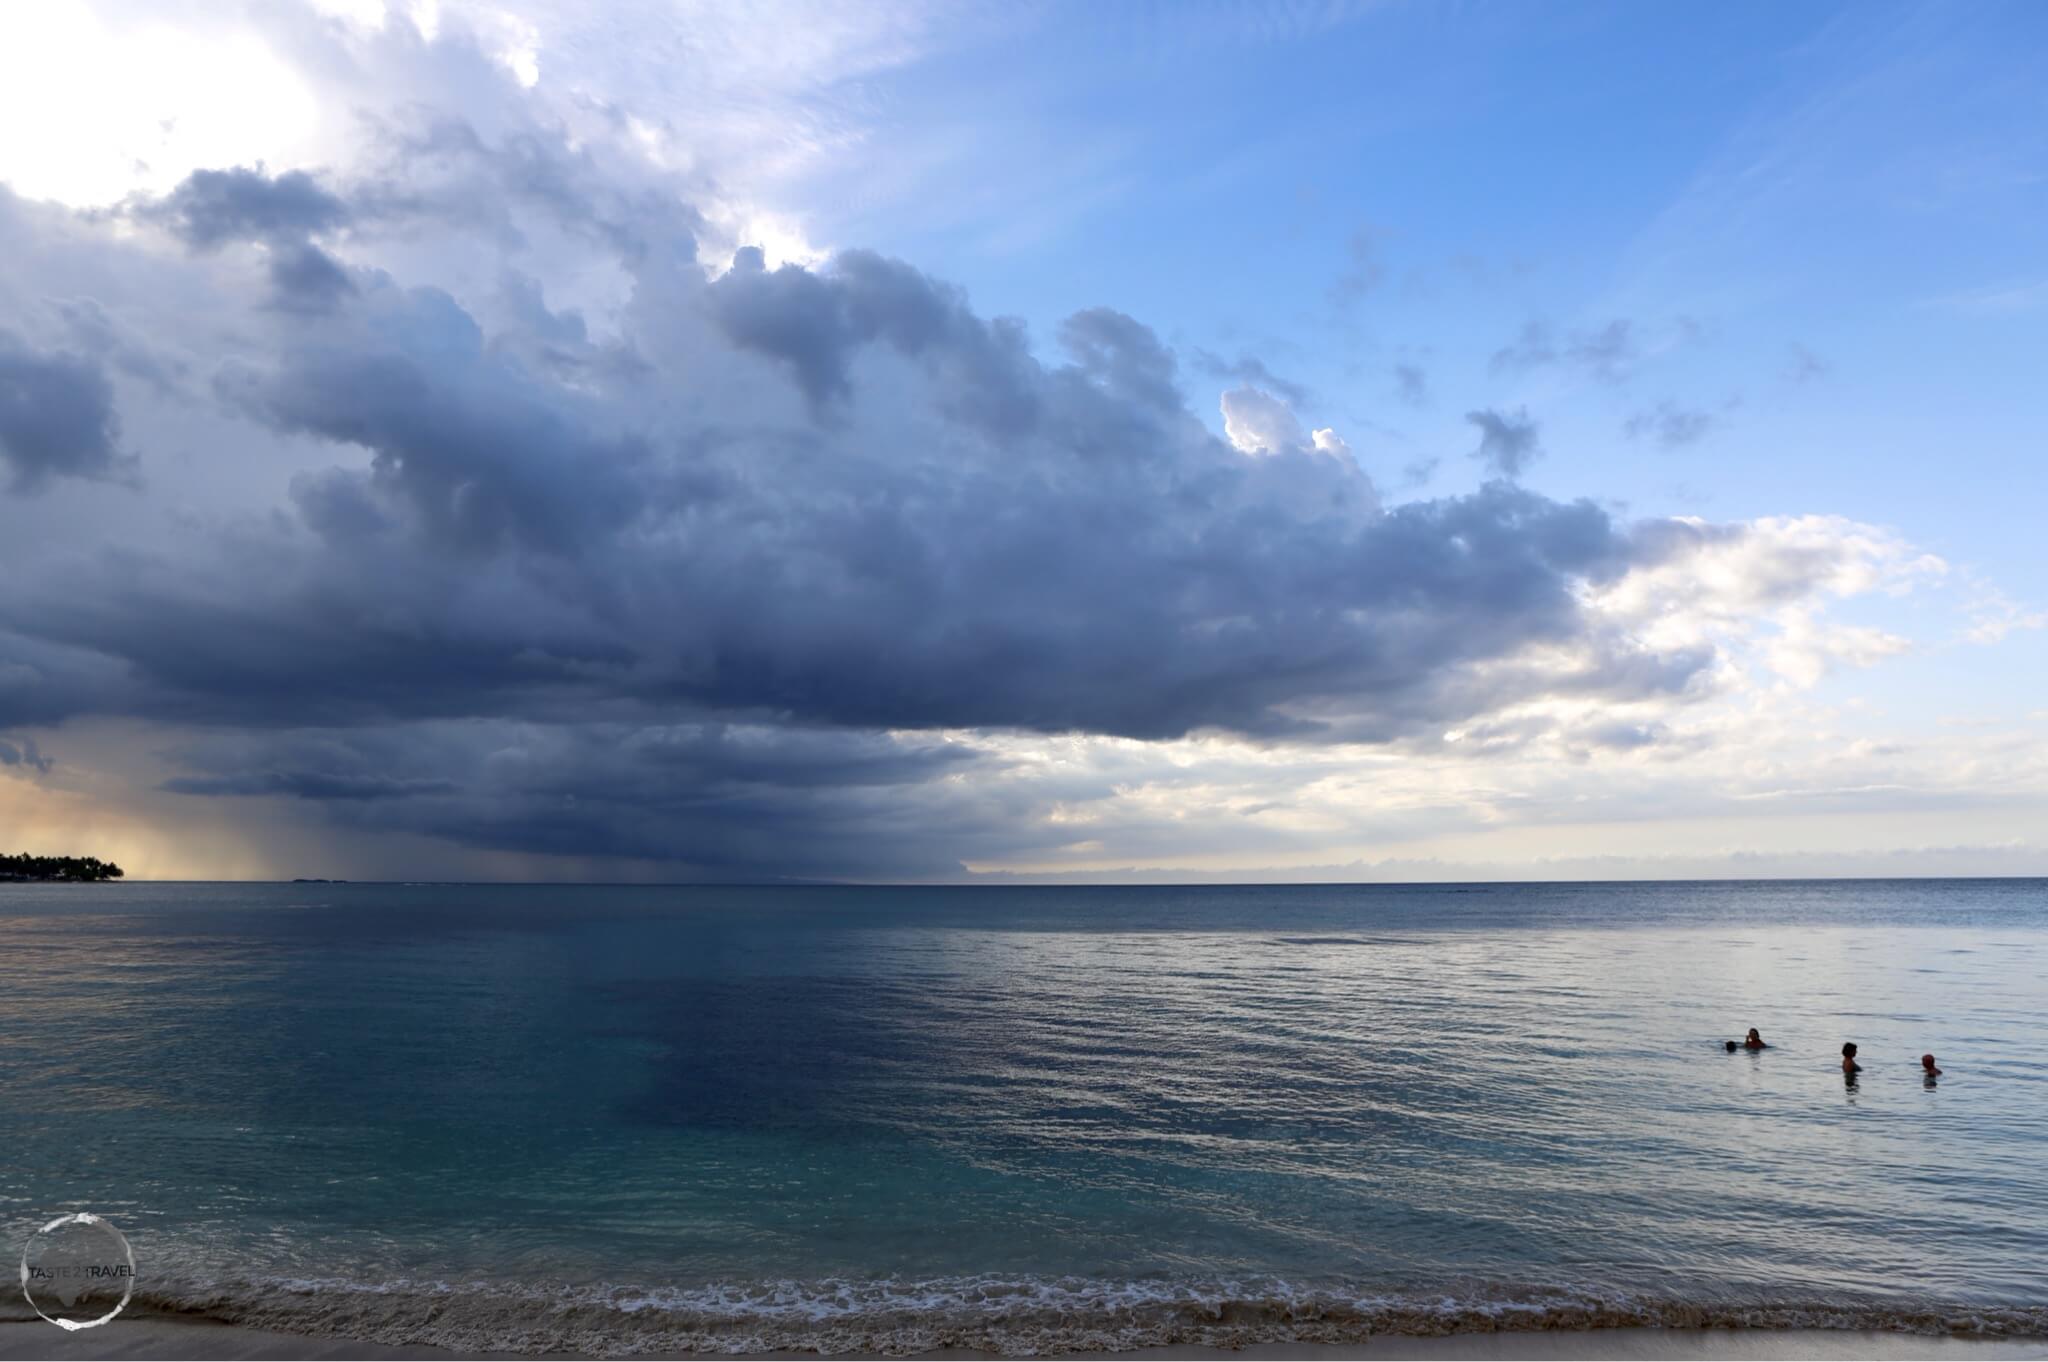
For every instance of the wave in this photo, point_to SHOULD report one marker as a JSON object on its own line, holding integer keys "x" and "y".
{"x": 1012, "y": 1316}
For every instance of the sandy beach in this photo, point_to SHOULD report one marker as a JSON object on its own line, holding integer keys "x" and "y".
{"x": 147, "y": 1337}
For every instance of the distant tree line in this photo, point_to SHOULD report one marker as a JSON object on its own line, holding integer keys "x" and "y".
{"x": 25, "y": 867}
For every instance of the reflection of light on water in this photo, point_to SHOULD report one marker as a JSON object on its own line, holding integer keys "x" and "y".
{"x": 573, "y": 1085}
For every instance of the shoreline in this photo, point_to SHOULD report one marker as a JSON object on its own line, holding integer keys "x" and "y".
{"x": 177, "y": 1338}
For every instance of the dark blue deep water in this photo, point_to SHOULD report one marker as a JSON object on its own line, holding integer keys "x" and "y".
{"x": 630, "y": 1118}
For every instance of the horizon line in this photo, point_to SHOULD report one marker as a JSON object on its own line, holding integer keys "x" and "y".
{"x": 1008, "y": 883}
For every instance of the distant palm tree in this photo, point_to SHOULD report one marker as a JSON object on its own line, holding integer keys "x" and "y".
{"x": 22, "y": 866}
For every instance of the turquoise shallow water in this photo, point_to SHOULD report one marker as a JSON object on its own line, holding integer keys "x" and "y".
{"x": 623, "y": 1118}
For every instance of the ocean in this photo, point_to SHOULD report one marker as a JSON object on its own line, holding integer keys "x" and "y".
{"x": 1033, "y": 1119}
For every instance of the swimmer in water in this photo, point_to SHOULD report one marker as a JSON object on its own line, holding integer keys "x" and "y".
{"x": 1754, "y": 1041}
{"x": 1849, "y": 1064}
{"x": 1927, "y": 1068}
{"x": 1732, "y": 1046}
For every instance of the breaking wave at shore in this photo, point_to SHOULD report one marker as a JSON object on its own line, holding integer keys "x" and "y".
{"x": 1010, "y": 1316}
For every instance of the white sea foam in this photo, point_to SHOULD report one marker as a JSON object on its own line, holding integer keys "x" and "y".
{"x": 1009, "y": 1315}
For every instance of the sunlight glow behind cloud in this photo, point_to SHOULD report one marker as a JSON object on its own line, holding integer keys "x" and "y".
{"x": 99, "y": 109}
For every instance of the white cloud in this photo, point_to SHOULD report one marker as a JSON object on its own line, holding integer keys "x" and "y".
{"x": 1331, "y": 443}
{"x": 1259, "y": 423}
{"x": 1804, "y": 650}
{"x": 1723, "y": 583}
{"x": 1993, "y": 615}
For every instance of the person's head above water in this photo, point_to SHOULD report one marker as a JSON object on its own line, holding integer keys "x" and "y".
{"x": 1731, "y": 1046}
{"x": 1849, "y": 1050}
{"x": 1754, "y": 1039}
{"x": 1927, "y": 1063}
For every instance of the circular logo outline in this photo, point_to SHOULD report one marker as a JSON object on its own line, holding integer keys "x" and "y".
{"x": 127, "y": 1252}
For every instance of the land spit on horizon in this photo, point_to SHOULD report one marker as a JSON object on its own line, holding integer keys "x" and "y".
{"x": 22, "y": 867}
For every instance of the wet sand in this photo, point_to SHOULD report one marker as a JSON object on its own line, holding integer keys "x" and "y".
{"x": 201, "y": 1339}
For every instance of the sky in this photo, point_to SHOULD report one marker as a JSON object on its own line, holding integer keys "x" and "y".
{"x": 1024, "y": 442}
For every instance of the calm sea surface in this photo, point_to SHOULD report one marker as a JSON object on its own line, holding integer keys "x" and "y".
{"x": 624, "y": 1118}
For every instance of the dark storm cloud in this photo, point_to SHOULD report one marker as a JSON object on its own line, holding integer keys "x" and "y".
{"x": 57, "y": 417}
{"x": 793, "y": 315}
{"x": 92, "y": 330}
{"x": 1507, "y": 441}
{"x": 460, "y": 441}
{"x": 1057, "y": 549}
{"x": 213, "y": 207}
{"x": 43, "y": 682}
{"x": 713, "y": 799}
{"x": 698, "y": 588}
{"x": 1124, "y": 356}
{"x": 24, "y": 752}
{"x": 818, "y": 323}
{"x": 305, "y": 277}
{"x": 306, "y": 785}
